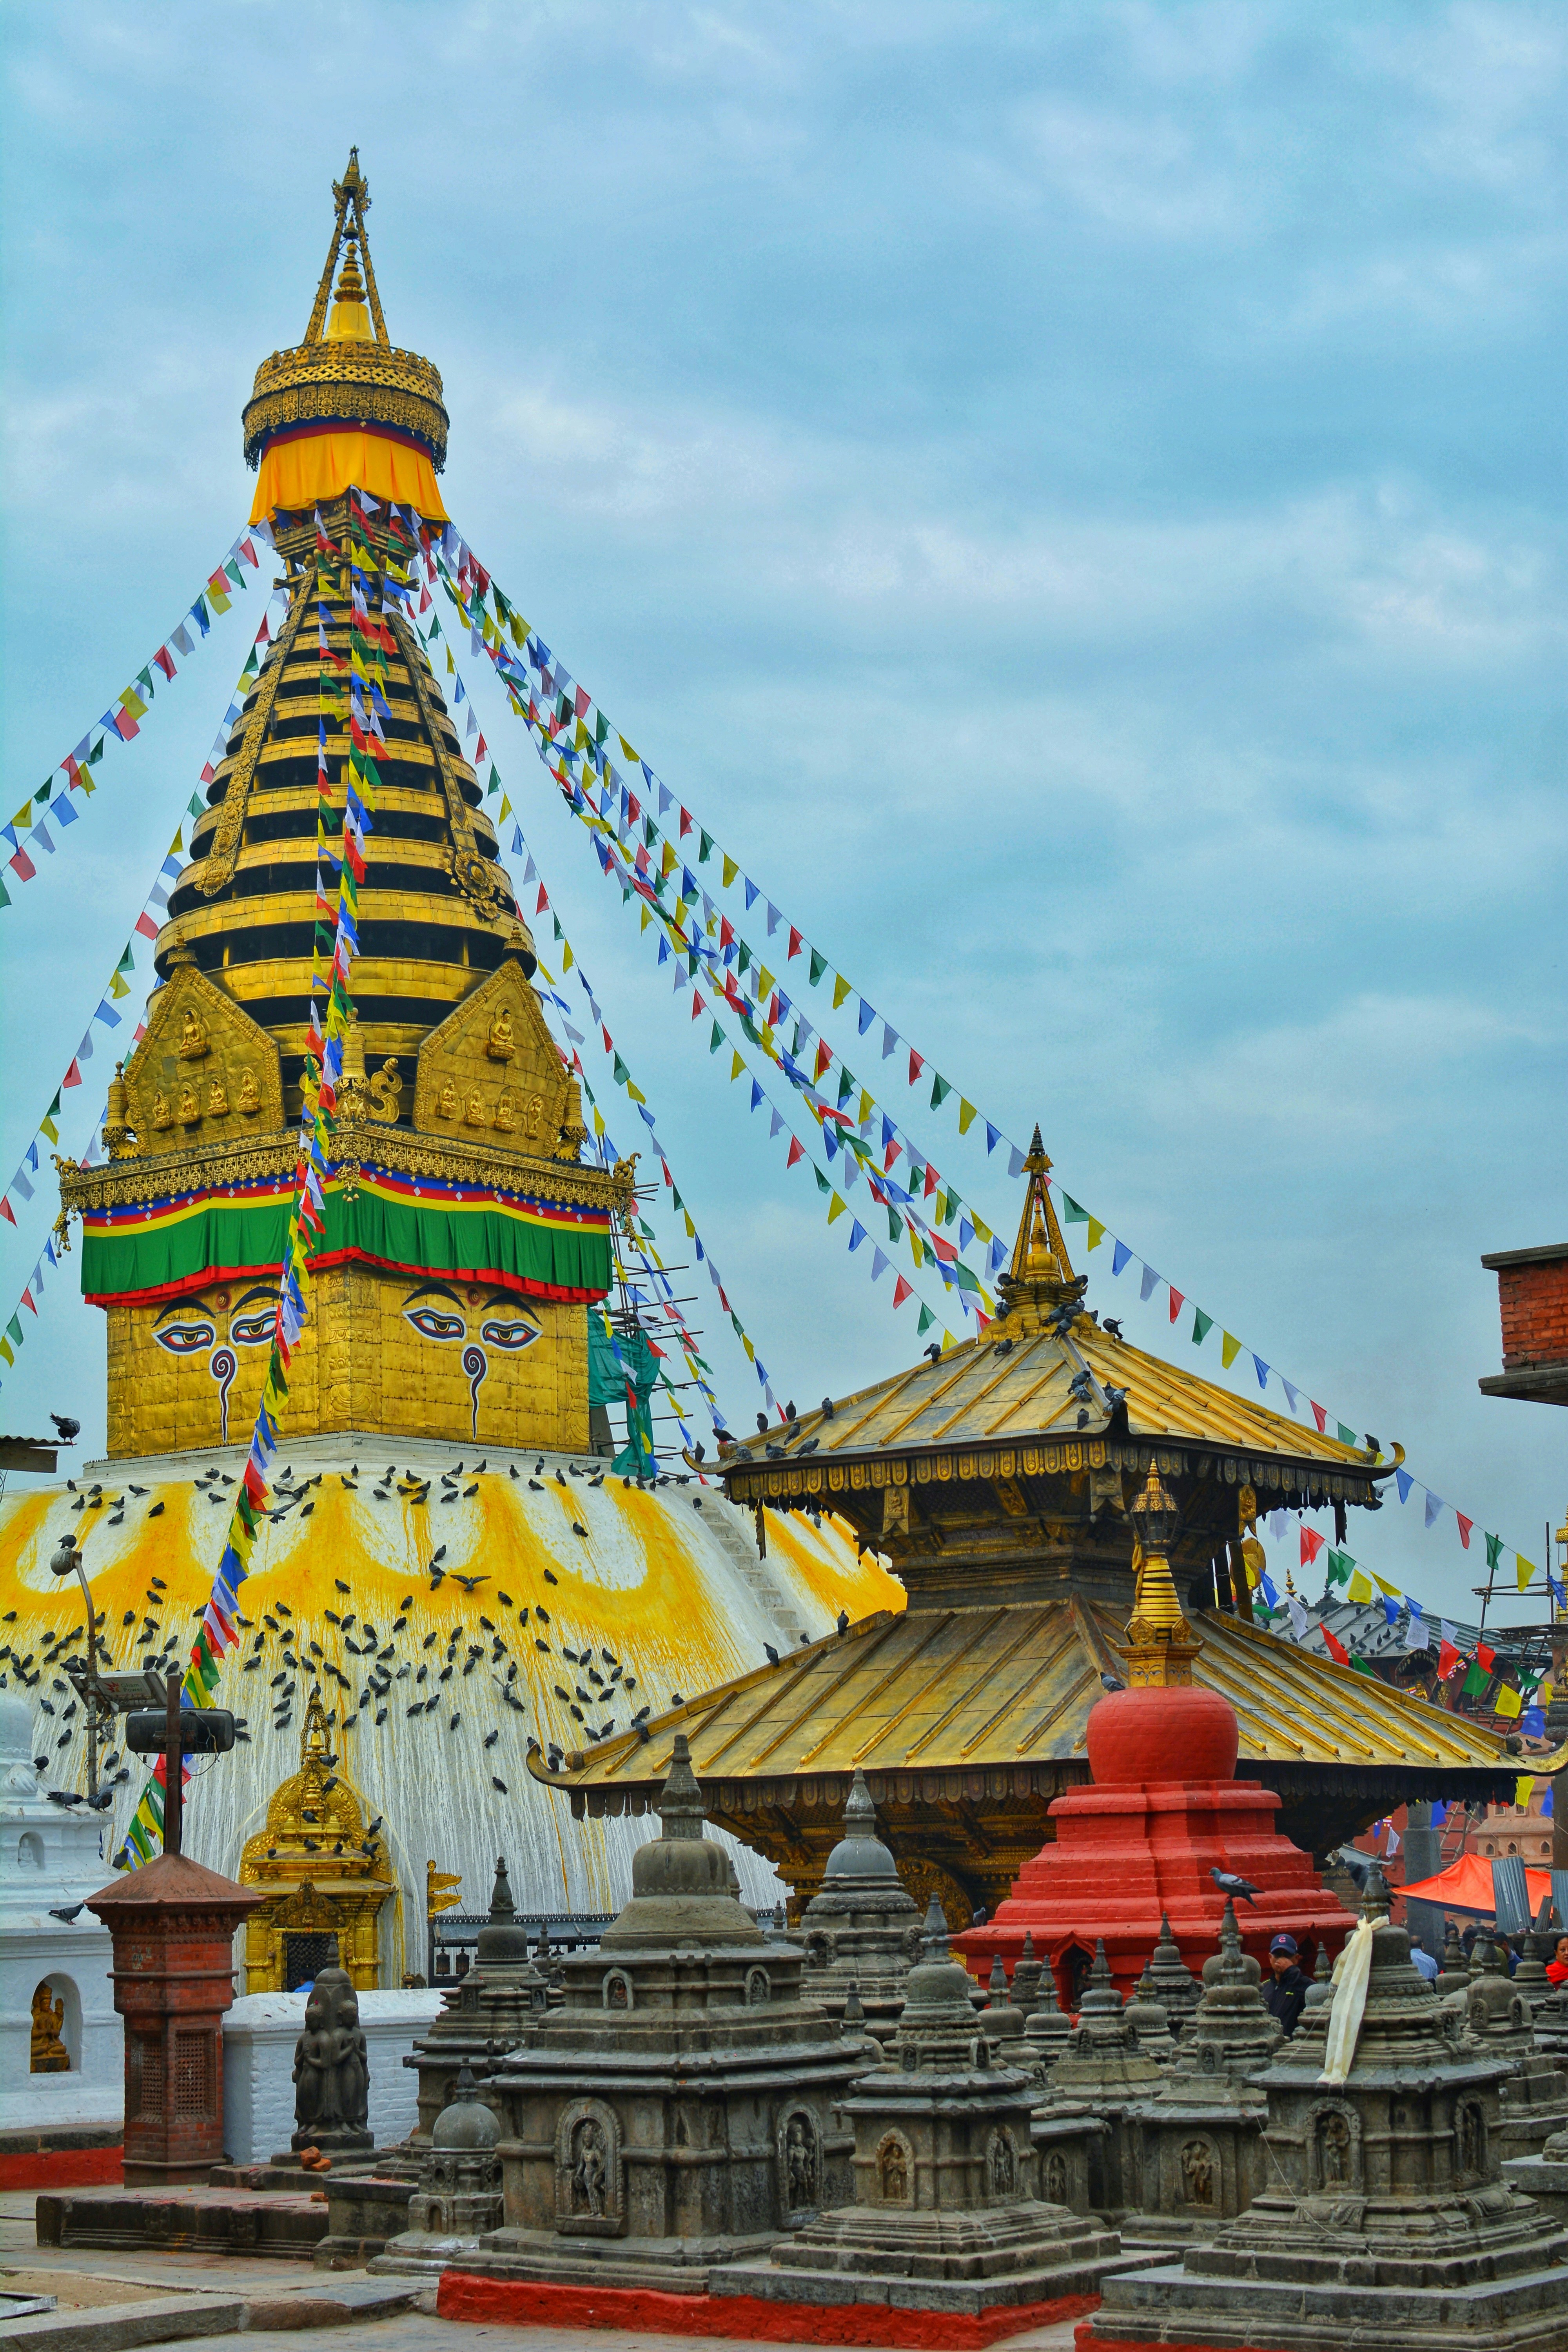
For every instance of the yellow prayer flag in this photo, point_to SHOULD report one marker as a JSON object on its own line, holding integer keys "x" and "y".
{"x": 505, "y": 805}
{"x": 731, "y": 870}
{"x": 866, "y": 1107}
{"x": 690, "y": 1228}
{"x": 598, "y": 1120}
{"x": 948, "y": 1341}
{"x": 764, "y": 982}
{"x": 965, "y": 1113}
{"x": 635, "y": 1092}
{"x": 627, "y": 748}
{"x": 1526, "y": 1568}
{"x": 1096, "y": 1233}
{"x": 1522, "y": 1788}
{"x": 669, "y": 861}
{"x": 736, "y": 1067}
{"x": 647, "y": 919}
{"x": 841, "y": 990}
{"x": 1229, "y": 1349}
{"x": 1392, "y": 1590}
{"x": 751, "y": 1351}
{"x": 24, "y": 814}
{"x": 1360, "y": 1587}
{"x": 982, "y": 1230}
{"x": 835, "y": 1207}
{"x": 567, "y": 959}
{"x": 1507, "y": 1702}
{"x": 118, "y": 987}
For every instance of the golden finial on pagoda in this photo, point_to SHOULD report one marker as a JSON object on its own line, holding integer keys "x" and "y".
{"x": 1161, "y": 1643}
{"x": 1040, "y": 1277}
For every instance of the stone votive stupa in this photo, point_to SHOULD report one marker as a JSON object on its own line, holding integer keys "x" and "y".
{"x": 1498, "y": 2022}
{"x": 678, "y": 2110}
{"x": 946, "y": 2216}
{"x": 484, "y": 2013}
{"x": 1200, "y": 2158}
{"x": 1082, "y": 2128}
{"x": 863, "y": 1927}
{"x": 459, "y": 2195}
{"x": 1381, "y": 2219}
{"x": 1176, "y": 1988}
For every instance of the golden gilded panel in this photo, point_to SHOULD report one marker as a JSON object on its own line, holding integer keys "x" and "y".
{"x": 491, "y": 1067}
{"x": 204, "y": 1073}
{"x": 402, "y": 1353}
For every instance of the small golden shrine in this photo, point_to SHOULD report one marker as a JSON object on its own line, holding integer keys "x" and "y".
{"x": 316, "y": 1856}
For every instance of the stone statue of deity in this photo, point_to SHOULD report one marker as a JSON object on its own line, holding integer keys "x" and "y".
{"x": 332, "y": 2071}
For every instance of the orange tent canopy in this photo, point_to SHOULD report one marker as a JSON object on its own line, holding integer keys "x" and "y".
{"x": 1467, "y": 1885}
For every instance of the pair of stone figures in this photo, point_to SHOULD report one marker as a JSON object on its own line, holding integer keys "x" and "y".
{"x": 331, "y": 2067}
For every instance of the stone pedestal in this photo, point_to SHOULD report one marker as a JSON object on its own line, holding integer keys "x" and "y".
{"x": 862, "y": 1929}
{"x": 172, "y": 1925}
{"x": 485, "y": 2011}
{"x": 1087, "y": 2143}
{"x": 62, "y": 2048}
{"x": 1200, "y": 2158}
{"x": 947, "y": 2215}
{"x": 679, "y": 2109}
{"x": 1132, "y": 1854}
{"x": 1382, "y": 2218}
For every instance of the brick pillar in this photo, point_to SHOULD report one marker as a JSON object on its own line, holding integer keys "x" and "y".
{"x": 173, "y": 1924}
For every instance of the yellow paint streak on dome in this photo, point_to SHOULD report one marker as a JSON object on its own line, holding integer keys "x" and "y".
{"x": 862, "y": 1586}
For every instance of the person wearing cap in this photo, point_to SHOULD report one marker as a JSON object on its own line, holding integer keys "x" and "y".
{"x": 1286, "y": 1996}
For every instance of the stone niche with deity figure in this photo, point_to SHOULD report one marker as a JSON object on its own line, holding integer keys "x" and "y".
{"x": 204, "y": 1073}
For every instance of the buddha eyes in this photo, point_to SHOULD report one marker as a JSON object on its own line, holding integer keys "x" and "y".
{"x": 512, "y": 1331}
{"x": 252, "y": 1330}
{"x": 186, "y": 1339}
{"x": 431, "y": 1323}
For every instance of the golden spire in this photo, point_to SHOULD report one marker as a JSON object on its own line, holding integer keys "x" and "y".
{"x": 1041, "y": 1276}
{"x": 1161, "y": 1644}
{"x": 350, "y": 322}
{"x": 351, "y": 196}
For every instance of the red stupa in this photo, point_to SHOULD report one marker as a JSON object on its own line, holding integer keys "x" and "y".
{"x": 1165, "y": 1808}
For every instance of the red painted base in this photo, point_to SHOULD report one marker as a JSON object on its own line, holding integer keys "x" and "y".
{"x": 61, "y": 2167}
{"x": 1128, "y": 1849}
{"x": 516, "y": 2303}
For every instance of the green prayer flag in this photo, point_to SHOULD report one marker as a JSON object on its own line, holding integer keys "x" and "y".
{"x": 939, "y": 1090}
{"x": 1072, "y": 1213}
{"x": 493, "y": 786}
{"x": 1494, "y": 1552}
{"x": 14, "y": 1330}
{"x": 822, "y": 1183}
{"x": 846, "y": 1083}
{"x": 197, "y": 806}
{"x": 621, "y": 1072}
{"x": 704, "y": 848}
{"x": 1346, "y": 1437}
{"x": 96, "y": 754}
{"x": 1338, "y": 1567}
{"x": 1202, "y": 1325}
{"x": 927, "y": 1319}
{"x": 716, "y": 1040}
{"x": 127, "y": 962}
{"x": 1476, "y": 1680}
{"x": 1360, "y": 1664}
{"x": 818, "y": 965}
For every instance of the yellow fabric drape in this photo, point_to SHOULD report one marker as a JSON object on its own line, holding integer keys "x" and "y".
{"x": 299, "y": 473}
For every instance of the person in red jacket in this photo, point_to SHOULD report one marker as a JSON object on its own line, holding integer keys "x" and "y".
{"x": 1557, "y": 1967}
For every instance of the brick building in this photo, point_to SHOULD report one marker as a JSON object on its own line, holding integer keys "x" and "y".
{"x": 1533, "y": 1293}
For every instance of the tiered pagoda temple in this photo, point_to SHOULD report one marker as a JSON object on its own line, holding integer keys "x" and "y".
{"x": 997, "y": 1480}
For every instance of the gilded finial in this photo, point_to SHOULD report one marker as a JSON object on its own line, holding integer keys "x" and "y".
{"x": 1161, "y": 1644}
{"x": 1040, "y": 1278}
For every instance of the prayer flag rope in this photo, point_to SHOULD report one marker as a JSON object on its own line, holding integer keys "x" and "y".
{"x": 122, "y": 720}
{"x": 572, "y": 730}
{"x": 332, "y": 965}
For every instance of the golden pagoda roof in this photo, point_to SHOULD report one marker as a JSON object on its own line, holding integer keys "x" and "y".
{"x": 1046, "y": 1386}
{"x": 982, "y": 1690}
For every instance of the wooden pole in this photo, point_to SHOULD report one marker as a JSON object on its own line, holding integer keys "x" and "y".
{"x": 173, "y": 1782}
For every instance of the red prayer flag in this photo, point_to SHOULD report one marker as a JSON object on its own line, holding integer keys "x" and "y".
{"x": 900, "y": 1291}
{"x": 697, "y": 1006}
{"x": 685, "y": 823}
{"x": 1336, "y": 1650}
{"x": 1465, "y": 1527}
{"x": 72, "y": 1076}
{"x": 1448, "y": 1659}
{"x": 794, "y": 942}
{"x": 146, "y": 926}
{"x": 1176, "y": 1302}
{"x": 165, "y": 661}
{"x": 726, "y": 933}
{"x": 5, "y": 1212}
{"x": 1484, "y": 1657}
{"x": 824, "y": 1054}
{"x": 932, "y": 1181}
{"x": 543, "y": 900}
{"x": 916, "y": 1064}
{"x": 1320, "y": 1415}
{"x": 22, "y": 864}
{"x": 795, "y": 1151}
{"x": 1312, "y": 1545}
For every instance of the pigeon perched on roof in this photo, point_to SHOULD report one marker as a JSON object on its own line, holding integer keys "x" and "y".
{"x": 1229, "y": 1884}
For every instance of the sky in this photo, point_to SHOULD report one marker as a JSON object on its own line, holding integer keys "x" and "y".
{"x": 1069, "y": 495}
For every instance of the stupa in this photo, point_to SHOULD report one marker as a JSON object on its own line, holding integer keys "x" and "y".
{"x": 861, "y": 1929}
{"x": 679, "y": 2110}
{"x": 435, "y": 1563}
{"x": 998, "y": 1480}
{"x": 459, "y": 2195}
{"x": 1382, "y": 2218}
{"x": 486, "y": 2010}
{"x": 1084, "y": 2127}
{"x": 1201, "y": 2159}
{"x": 1134, "y": 1857}
{"x": 947, "y": 2215}
{"x": 1533, "y": 2096}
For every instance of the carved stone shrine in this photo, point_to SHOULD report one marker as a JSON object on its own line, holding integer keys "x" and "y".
{"x": 332, "y": 2071}
{"x": 863, "y": 1927}
{"x": 459, "y": 2192}
{"x": 486, "y": 2011}
{"x": 1083, "y": 2127}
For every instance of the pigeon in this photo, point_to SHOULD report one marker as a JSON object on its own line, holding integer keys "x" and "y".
{"x": 933, "y": 1352}
{"x": 1229, "y": 1884}
{"x": 490, "y": 1739}
{"x": 67, "y": 1427}
{"x": 763, "y": 1422}
{"x": 843, "y": 1621}
{"x": 1112, "y": 1682}
{"x": 578, "y": 1529}
{"x": 1082, "y": 1421}
{"x": 1112, "y": 1326}
{"x": 500, "y": 1785}
{"x": 772, "y": 1656}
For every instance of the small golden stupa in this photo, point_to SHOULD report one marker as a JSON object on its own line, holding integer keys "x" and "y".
{"x": 325, "y": 1868}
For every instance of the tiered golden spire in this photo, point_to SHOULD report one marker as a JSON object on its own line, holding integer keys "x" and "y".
{"x": 1161, "y": 1644}
{"x": 1040, "y": 1278}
